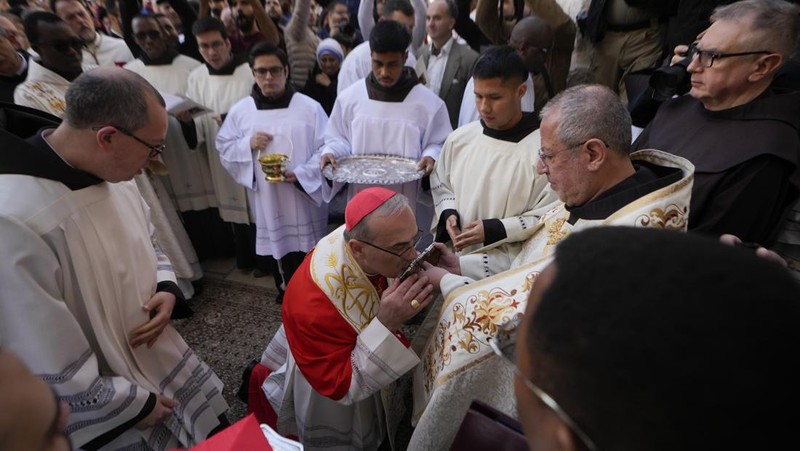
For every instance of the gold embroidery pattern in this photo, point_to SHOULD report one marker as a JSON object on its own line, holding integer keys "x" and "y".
{"x": 470, "y": 324}
{"x": 554, "y": 232}
{"x": 51, "y": 98}
{"x": 352, "y": 295}
{"x": 338, "y": 276}
{"x": 673, "y": 217}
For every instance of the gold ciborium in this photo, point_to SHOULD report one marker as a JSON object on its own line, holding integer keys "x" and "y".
{"x": 274, "y": 164}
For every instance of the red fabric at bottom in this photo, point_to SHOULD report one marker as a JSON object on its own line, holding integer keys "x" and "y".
{"x": 256, "y": 400}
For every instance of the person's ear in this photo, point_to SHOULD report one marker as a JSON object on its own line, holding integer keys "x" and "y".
{"x": 765, "y": 66}
{"x": 596, "y": 151}
{"x": 104, "y": 137}
{"x": 356, "y": 248}
{"x": 521, "y": 90}
{"x": 405, "y": 57}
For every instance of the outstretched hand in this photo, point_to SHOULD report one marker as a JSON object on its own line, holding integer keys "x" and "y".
{"x": 162, "y": 304}
{"x": 472, "y": 233}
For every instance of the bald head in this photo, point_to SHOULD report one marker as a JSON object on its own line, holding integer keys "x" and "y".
{"x": 532, "y": 38}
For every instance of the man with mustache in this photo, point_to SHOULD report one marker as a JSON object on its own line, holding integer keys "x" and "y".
{"x": 254, "y": 24}
{"x": 99, "y": 49}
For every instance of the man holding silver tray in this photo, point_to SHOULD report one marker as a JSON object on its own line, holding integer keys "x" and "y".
{"x": 389, "y": 112}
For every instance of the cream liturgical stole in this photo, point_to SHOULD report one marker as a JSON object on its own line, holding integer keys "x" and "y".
{"x": 471, "y": 315}
{"x": 338, "y": 276}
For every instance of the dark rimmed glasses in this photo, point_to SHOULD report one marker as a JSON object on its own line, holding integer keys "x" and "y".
{"x": 275, "y": 71}
{"x": 706, "y": 58}
{"x": 504, "y": 345}
{"x": 155, "y": 149}
{"x": 412, "y": 245}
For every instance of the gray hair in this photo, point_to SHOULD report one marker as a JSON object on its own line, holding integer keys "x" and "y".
{"x": 774, "y": 24}
{"x": 109, "y": 96}
{"x": 391, "y": 207}
{"x": 591, "y": 111}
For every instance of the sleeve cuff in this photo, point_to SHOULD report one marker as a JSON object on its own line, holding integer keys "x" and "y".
{"x": 441, "y": 227}
{"x": 181, "y": 309}
{"x": 493, "y": 231}
{"x": 109, "y": 436}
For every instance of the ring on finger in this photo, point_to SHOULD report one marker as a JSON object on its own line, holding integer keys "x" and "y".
{"x": 414, "y": 304}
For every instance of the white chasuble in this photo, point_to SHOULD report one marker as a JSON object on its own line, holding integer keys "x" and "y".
{"x": 288, "y": 219}
{"x": 219, "y": 93}
{"x": 81, "y": 264}
{"x": 457, "y": 363}
{"x": 414, "y": 128}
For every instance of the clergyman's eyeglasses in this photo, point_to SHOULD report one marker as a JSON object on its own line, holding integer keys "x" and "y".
{"x": 411, "y": 245}
{"x": 706, "y": 58}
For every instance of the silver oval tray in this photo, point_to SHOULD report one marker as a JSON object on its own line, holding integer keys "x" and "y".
{"x": 374, "y": 169}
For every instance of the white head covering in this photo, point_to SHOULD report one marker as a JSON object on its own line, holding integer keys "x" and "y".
{"x": 330, "y": 46}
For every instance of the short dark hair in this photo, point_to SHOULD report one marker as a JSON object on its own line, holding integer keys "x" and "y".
{"x": 659, "y": 340}
{"x": 112, "y": 7}
{"x": 333, "y": 4}
{"x": 94, "y": 98}
{"x": 31, "y": 23}
{"x": 150, "y": 16}
{"x": 265, "y": 48}
{"x": 53, "y": 5}
{"x": 452, "y": 8}
{"x": 389, "y": 36}
{"x": 404, "y": 6}
{"x": 500, "y": 61}
{"x": 208, "y": 24}
{"x": 346, "y": 40}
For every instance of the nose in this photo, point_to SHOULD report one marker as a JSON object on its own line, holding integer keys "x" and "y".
{"x": 694, "y": 64}
{"x": 483, "y": 107}
{"x": 541, "y": 168}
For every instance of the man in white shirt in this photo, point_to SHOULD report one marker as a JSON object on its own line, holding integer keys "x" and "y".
{"x": 446, "y": 63}
{"x": 100, "y": 49}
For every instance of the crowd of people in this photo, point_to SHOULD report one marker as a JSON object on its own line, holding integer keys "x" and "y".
{"x": 611, "y": 261}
